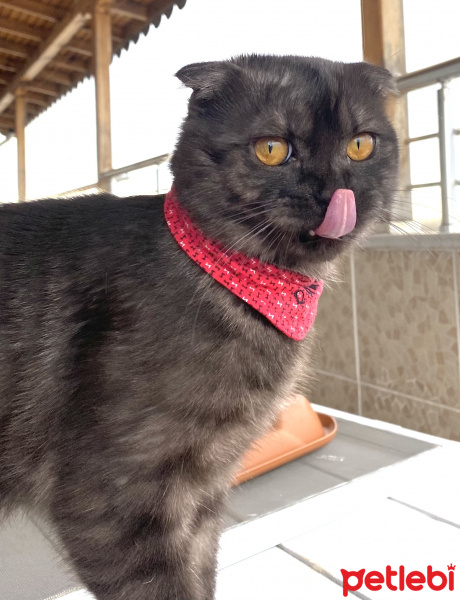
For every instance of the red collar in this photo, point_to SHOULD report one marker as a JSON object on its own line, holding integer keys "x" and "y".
{"x": 287, "y": 299}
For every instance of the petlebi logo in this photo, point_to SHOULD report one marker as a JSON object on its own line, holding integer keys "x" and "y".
{"x": 398, "y": 579}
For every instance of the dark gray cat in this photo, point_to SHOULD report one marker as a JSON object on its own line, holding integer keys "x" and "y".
{"x": 131, "y": 382}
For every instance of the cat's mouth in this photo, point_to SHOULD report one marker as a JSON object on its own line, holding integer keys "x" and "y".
{"x": 339, "y": 220}
{"x": 311, "y": 240}
{"x": 306, "y": 236}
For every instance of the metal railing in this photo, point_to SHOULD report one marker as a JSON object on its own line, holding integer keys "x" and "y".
{"x": 155, "y": 161}
{"x": 117, "y": 175}
{"x": 440, "y": 74}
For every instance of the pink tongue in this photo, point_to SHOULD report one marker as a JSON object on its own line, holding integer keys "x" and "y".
{"x": 340, "y": 215}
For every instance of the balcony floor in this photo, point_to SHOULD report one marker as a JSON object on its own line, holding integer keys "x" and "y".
{"x": 376, "y": 495}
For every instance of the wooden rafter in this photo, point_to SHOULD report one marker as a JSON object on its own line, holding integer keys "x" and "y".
{"x": 46, "y": 12}
{"x": 79, "y": 47}
{"x": 115, "y": 37}
{"x": 7, "y": 65}
{"x": 5, "y": 79}
{"x": 59, "y": 37}
{"x": 6, "y": 122}
{"x": 47, "y": 47}
{"x": 130, "y": 10}
{"x": 42, "y": 87}
{"x": 53, "y": 14}
{"x": 13, "y": 49}
{"x": 20, "y": 30}
{"x": 57, "y": 77}
{"x": 38, "y": 99}
{"x": 74, "y": 66}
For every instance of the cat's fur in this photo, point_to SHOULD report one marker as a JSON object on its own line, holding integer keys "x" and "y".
{"x": 130, "y": 381}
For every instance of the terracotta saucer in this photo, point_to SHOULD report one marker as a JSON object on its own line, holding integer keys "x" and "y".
{"x": 299, "y": 430}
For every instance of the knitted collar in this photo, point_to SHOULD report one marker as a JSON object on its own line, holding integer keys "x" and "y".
{"x": 287, "y": 299}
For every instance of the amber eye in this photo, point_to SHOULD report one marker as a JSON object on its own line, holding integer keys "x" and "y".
{"x": 272, "y": 151}
{"x": 361, "y": 146}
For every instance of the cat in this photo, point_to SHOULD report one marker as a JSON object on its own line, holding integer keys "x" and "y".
{"x": 131, "y": 380}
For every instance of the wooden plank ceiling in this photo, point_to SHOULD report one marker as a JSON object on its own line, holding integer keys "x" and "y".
{"x": 46, "y": 46}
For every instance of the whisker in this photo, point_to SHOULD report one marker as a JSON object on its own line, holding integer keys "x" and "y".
{"x": 415, "y": 241}
{"x": 286, "y": 248}
{"x": 416, "y": 226}
{"x": 280, "y": 242}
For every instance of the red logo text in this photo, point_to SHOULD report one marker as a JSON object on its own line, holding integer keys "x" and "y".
{"x": 398, "y": 580}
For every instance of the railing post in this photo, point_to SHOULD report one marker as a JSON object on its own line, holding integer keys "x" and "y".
{"x": 446, "y": 155}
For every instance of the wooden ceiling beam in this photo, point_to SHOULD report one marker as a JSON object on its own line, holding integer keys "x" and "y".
{"x": 115, "y": 37}
{"x": 38, "y": 99}
{"x": 129, "y": 10}
{"x": 14, "y": 49}
{"x": 79, "y": 47}
{"x": 20, "y": 30}
{"x": 5, "y": 79}
{"x": 46, "y": 12}
{"x": 73, "y": 66}
{"x": 58, "y": 38}
{"x": 43, "y": 87}
{"x": 7, "y": 65}
{"x": 7, "y": 123}
{"x": 57, "y": 77}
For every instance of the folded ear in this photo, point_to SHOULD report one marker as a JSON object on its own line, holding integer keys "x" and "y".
{"x": 206, "y": 78}
{"x": 380, "y": 79}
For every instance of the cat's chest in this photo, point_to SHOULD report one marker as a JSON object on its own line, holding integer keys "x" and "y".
{"x": 236, "y": 347}
{"x": 202, "y": 337}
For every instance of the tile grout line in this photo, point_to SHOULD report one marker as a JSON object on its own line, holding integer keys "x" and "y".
{"x": 456, "y": 299}
{"x": 318, "y": 569}
{"x": 425, "y": 512}
{"x": 409, "y": 397}
{"x": 336, "y": 375}
{"x": 388, "y": 391}
{"x": 355, "y": 331}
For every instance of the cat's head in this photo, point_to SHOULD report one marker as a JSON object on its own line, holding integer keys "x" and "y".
{"x": 268, "y": 140}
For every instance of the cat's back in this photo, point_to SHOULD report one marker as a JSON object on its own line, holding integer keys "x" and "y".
{"x": 60, "y": 261}
{"x": 63, "y": 265}
{"x": 49, "y": 243}
{"x": 43, "y": 226}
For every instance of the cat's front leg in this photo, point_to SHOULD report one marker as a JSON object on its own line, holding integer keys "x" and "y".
{"x": 207, "y": 529}
{"x": 138, "y": 539}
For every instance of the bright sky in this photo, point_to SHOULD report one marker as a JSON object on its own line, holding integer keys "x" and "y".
{"x": 148, "y": 102}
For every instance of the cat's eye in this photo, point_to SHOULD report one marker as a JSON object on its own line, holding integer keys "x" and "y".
{"x": 360, "y": 146}
{"x": 272, "y": 151}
